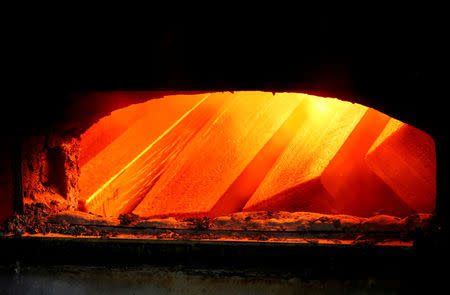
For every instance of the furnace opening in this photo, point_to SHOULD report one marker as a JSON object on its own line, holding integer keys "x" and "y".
{"x": 215, "y": 154}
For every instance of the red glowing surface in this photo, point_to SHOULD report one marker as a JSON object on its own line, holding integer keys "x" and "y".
{"x": 219, "y": 153}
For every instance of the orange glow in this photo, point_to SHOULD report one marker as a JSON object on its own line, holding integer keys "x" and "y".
{"x": 218, "y": 153}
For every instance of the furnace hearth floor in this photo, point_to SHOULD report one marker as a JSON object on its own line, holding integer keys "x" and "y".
{"x": 263, "y": 226}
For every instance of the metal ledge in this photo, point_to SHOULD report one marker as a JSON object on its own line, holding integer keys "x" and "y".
{"x": 306, "y": 260}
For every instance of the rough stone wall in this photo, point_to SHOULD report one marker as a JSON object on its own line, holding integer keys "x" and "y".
{"x": 50, "y": 170}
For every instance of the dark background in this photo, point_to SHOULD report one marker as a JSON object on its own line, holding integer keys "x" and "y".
{"x": 394, "y": 60}
{"x": 385, "y": 58}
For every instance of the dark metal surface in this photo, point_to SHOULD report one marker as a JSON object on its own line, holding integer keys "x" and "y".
{"x": 308, "y": 260}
